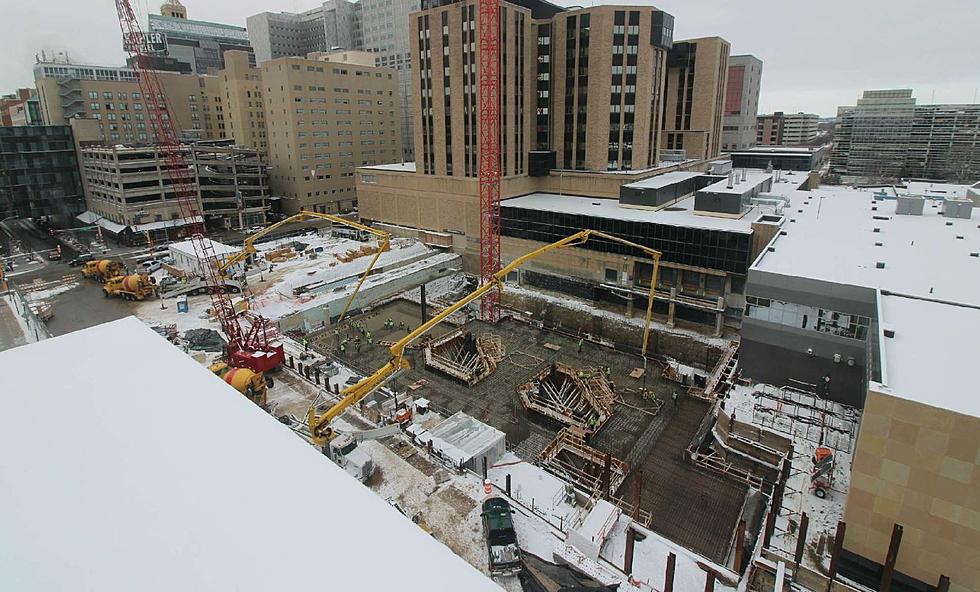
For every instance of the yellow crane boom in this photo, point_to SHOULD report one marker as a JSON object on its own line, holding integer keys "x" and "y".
{"x": 320, "y": 424}
{"x": 249, "y": 249}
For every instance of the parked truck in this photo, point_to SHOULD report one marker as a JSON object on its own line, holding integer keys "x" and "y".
{"x": 344, "y": 452}
{"x": 254, "y": 385}
{"x": 504, "y": 553}
{"x": 136, "y": 286}
{"x": 102, "y": 270}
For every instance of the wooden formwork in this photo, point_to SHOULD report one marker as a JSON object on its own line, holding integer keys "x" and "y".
{"x": 570, "y": 457}
{"x": 461, "y": 356}
{"x": 576, "y": 398}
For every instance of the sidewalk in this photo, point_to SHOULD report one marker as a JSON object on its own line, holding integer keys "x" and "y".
{"x": 11, "y": 334}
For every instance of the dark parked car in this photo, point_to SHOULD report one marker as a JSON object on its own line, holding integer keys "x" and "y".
{"x": 505, "y": 555}
{"x": 81, "y": 260}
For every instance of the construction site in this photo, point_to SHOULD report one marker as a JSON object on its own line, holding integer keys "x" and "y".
{"x": 617, "y": 399}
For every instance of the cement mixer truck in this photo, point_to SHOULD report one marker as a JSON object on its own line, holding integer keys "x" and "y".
{"x": 254, "y": 385}
{"x": 101, "y": 270}
{"x": 129, "y": 287}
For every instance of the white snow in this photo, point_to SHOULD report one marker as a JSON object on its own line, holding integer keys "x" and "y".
{"x": 554, "y": 203}
{"x": 39, "y": 290}
{"x": 639, "y": 321}
{"x": 933, "y": 354}
{"x": 833, "y": 239}
{"x": 650, "y": 559}
{"x": 664, "y": 180}
{"x": 823, "y": 514}
{"x": 142, "y": 484}
{"x": 407, "y": 167}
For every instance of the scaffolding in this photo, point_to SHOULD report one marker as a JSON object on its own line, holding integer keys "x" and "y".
{"x": 805, "y": 415}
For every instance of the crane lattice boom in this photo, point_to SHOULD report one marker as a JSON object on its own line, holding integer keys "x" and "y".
{"x": 241, "y": 346}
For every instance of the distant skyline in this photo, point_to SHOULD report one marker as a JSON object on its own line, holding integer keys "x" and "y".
{"x": 815, "y": 57}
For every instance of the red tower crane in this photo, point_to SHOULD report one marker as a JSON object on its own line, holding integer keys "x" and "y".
{"x": 489, "y": 165}
{"x": 252, "y": 349}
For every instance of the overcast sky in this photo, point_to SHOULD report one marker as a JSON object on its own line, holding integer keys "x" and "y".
{"x": 816, "y": 55}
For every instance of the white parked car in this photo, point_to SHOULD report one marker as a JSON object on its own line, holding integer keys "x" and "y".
{"x": 151, "y": 266}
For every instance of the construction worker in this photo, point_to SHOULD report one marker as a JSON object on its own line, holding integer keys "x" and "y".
{"x": 357, "y": 347}
{"x": 401, "y": 324}
{"x": 674, "y": 398}
{"x": 608, "y": 371}
{"x": 343, "y": 347}
{"x": 593, "y": 422}
{"x": 580, "y": 341}
{"x": 306, "y": 344}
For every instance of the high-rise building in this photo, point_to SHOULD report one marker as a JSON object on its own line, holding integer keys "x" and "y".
{"x": 871, "y": 139}
{"x": 589, "y": 89}
{"x": 945, "y": 143}
{"x": 582, "y": 96}
{"x": 786, "y": 129}
{"x": 201, "y": 45}
{"x": 38, "y": 173}
{"x": 376, "y": 26}
{"x": 324, "y": 117}
{"x": 741, "y": 102}
{"x": 887, "y": 136}
{"x": 243, "y": 101}
{"x": 111, "y": 95}
{"x": 694, "y": 97}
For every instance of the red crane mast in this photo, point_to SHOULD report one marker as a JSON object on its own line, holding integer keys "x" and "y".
{"x": 489, "y": 165}
{"x": 253, "y": 349}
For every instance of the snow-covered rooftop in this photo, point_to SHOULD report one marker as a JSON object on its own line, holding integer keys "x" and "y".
{"x": 680, "y": 213}
{"x": 406, "y": 167}
{"x": 932, "y": 356}
{"x": 934, "y": 190}
{"x": 138, "y": 468}
{"x": 831, "y": 236}
{"x": 187, "y": 247}
{"x": 463, "y": 437}
{"x": 664, "y": 180}
{"x": 753, "y": 178}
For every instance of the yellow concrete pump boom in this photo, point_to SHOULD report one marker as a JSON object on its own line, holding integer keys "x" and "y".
{"x": 249, "y": 246}
{"x": 320, "y": 424}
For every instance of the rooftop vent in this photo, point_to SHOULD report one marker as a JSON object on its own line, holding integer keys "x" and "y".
{"x": 782, "y": 233}
{"x": 876, "y": 229}
{"x": 878, "y": 244}
{"x": 949, "y": 223}
{"x": 974, "y": 254}
{"x": 880, "y": 265}
{"x": 771, "y": 249}
{"x": 889, "y": 333}
{"x": 959, "y": 237}
{"x": 792, "y": 219}
{"x": 595, "y": 203}
{"x": 881, "y": 217}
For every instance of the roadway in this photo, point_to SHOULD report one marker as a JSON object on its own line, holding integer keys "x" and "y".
{"x": 77, "y": 303}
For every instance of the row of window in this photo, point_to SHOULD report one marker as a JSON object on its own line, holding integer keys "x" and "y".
{"x": 807, "y": 317}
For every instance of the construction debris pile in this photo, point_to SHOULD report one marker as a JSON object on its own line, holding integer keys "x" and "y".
{"x": 207, "y": 340}
{"x": 461, "y": 355}
{"x": 581, "y": 399}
